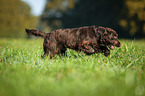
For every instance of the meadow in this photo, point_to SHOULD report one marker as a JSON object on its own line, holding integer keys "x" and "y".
{"x": 25, "y": 72}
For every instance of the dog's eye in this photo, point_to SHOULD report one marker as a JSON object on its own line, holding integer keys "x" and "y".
{"x": 114, "y": 38}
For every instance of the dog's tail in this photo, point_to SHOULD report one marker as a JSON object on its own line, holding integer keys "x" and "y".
{"x": 35, "y": 32}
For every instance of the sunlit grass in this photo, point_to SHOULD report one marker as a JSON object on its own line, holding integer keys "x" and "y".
{"x": 24, "y": 71}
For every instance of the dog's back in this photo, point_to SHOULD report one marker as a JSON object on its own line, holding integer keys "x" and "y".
{"x": 72, "y": 37}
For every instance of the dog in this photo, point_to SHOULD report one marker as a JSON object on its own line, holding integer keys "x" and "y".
{"x": 89, "y": 39}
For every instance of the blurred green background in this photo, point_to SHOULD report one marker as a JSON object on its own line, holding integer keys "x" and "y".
{"x": 127, "y": 17}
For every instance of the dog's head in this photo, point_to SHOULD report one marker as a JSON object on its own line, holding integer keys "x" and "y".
{"x": 109, "y": 38}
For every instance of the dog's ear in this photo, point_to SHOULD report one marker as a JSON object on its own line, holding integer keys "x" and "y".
{"x": 111, "y": 31}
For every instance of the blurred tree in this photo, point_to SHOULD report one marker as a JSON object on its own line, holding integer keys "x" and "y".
{"x": 94, "y": 12}
{"x": 81, "y": 13}
{"x": 14, "y": 17}
{"x": 127, "y": 17}
{"x": 54, "y": 11}
{"x": 133, "y": 18}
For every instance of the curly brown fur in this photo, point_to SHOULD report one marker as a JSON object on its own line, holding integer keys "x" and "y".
{"x": 90, "y": 40}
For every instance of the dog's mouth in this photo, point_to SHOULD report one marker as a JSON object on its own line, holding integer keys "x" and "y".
{"x": 111, "y": 47}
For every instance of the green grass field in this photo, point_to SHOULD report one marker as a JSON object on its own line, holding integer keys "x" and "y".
{"x": 23, "y": 71}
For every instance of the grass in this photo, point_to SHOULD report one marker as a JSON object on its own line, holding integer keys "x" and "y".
{"x": 23, "y": 71}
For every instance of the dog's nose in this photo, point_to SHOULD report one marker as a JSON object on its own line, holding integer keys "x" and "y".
{"x": 117, "y": 44}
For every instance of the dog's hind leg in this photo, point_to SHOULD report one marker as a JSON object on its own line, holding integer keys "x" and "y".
{"x": 46, "y": 51}
{"x": 46, "y": 47}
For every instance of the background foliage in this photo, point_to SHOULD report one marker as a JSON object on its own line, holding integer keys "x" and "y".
{"x": 127, "y": 17}
{"x": 15, "y": 16}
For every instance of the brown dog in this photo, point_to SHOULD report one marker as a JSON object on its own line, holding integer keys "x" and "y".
{"x": 90, "y": 40}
